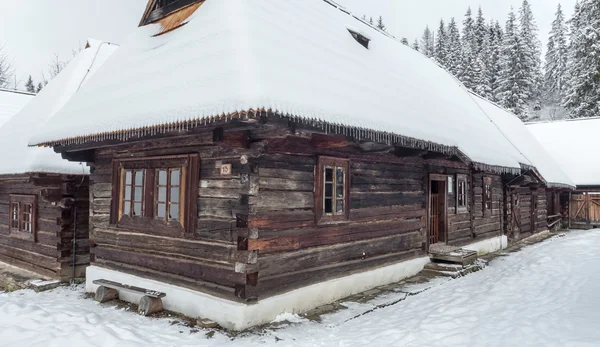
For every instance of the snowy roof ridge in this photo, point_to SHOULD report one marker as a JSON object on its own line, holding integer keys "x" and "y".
{"x": 562, "y": 120}
{"x": 43, "y": 107}
{"x": 317, "y": 73}
{"x": 16, "y": 91}
{"x": 569, "y": 143}
{"x": 518, "y": 135}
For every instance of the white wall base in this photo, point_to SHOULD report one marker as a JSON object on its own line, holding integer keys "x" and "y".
{"x": 237, "y": 316}
{"x": 488, "y": 246}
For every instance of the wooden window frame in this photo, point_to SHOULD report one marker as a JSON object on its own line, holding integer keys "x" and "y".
{"x": 323, "y": 163}
{"x": 462, "y": 179}
{"x": 487, "y": 201}
{"x": 20, "y": 201}
{"x": 185, "y": 224}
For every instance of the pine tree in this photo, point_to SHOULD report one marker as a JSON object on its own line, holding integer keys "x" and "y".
{"x": 556, "y": 61}
{"x": 481, "y": 32}
{"x": 531, "y": 55}
{"x": 493, "y": 66}
{"x": 29, "y": 85}
{"x": 39, "y": 87}
{"x": 583, "y": 98}
{"x": 513, "y": 79}
{"x": 404, "y": 41}
{"x": 415, "y": 46}
{"x": 454, "y": 57}
{"x": 441, "y": 45}
{"x": 380, "y": 24}
{"x": 469, "y": 52}
{"x": 371, "y": 20}
{"x": 427, "y": 44}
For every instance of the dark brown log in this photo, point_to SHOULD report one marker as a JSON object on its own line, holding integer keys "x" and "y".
{"x": 104, "y": 294}
{"x": 149, "y": 305}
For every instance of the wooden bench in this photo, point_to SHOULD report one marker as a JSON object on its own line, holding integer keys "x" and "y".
{"x": 151, "y": 301}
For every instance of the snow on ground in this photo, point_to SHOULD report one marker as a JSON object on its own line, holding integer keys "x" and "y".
{"x": 544, "y": 295}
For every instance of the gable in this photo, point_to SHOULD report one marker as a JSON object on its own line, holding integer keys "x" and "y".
{"x": 160, "y": 9}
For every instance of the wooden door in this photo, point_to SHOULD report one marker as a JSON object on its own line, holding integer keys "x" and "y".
{"x": 438, "y": 194}
{"x": 594, "y": 208}
{"x": 533, "y": 209}
{"x": 434, "y": 219}
{"x": 579, "y": 208}
{"x": 515, "y": 218}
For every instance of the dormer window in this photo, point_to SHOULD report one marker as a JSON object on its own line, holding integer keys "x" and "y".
{"x": 159, "y": 9}
{"x": 360, "y": 38}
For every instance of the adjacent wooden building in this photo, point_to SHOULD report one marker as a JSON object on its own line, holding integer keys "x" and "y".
{"x": 241, "y": 190}
{"x": 570, "y": 142}
{"x": 44, "y": 200}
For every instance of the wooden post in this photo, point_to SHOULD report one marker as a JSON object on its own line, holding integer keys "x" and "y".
{"x": 104, "y": 294}
{"x": 570, "y": 207}
{"x": 149, "y": 305}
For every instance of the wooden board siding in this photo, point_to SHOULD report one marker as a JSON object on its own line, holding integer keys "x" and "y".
{"x": 51, "y": 252}
{"x": 525, "y": 227}
{"x": 203, "y": 261}
{"x": 386, "y": 224}
{"x": 257, "y": 233}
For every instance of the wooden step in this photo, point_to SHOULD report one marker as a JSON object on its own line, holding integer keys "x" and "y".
{"x": 452, "y": 270}
{"x": 453, "y": 255}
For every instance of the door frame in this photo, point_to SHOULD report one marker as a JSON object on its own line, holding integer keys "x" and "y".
{"x": 444, "y": 179}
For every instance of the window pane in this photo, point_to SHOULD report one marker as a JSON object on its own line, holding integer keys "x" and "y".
{"x": 127, "y": 193}
{"x": 137, "y": 208}
{"x": 339, "y": 175}
{"x": 450, "y": 184}
{"x": 138, "y": 194}
{"x": 127, "y": 207}
{"x": 328, "y": 190}
{"x": 127, "y": 177}
{"x": 328, "y": 206}
{"x": 339, "y": 191}
{"x": 174, "y": 195}
{"x": 139, "y": 178}
{"x": 162, "y": 177}
{"x": 161, "y": 210}
{"x": 328, "y": 175}
{"x": 174, "y": 212}
{"x": 339, "y": 206}
{"x": 162, "y": 194}
{"x": 175, "y": 175}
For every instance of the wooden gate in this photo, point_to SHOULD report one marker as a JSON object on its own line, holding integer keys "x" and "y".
{"x": 515, "y": 218}
{"x": 434, "y": 219}
{"x": 585, "y": 208}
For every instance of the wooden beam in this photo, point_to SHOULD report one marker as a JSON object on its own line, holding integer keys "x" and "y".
{"x": 86, "y": 156}
{"x": 409, "y": 152}
{"x": 372, "y": 147}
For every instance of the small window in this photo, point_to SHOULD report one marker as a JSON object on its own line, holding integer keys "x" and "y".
{"x": 332, "y": 188}
{"x": 461, "y": 192}
{"x": 487, "y": 195}
{"x": 360, "y": 38}
{"x": 450, "y": 184}
{"x": 23, "y": 216}
{"x": 152, "y": 192}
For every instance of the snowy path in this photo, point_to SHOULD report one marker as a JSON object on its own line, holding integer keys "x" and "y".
{"x": 545, "y": 295}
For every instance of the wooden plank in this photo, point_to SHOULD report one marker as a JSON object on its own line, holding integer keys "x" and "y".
{"x": 311, "y": 237}
{"x": 121, "y": 286}
{"x": 281, "y": 263}
{"x": 193, "y": 269}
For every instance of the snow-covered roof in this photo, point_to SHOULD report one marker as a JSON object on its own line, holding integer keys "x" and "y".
{"x": 572, "y": 143}
{"x": 517, "y": 133}
{"x": 296, "y": 58}
{"x": 16, "y": 157}
{"x": 11, "y": 102}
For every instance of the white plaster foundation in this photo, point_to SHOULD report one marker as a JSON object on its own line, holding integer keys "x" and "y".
{"x": 489, "y": 245}
{"x": 237, "y": 316}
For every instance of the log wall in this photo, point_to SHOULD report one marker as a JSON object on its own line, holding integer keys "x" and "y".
{"x": 257, "y": 232}
{"x": 51, "y": 252}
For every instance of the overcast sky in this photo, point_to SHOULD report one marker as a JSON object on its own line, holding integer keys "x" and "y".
{"x": 34, "y": 30}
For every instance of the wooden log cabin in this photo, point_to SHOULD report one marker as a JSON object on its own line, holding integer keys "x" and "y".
{"x": 245, "y": 168}
{"x": 570, "y": 142}
{"x": 44, "y": 200}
